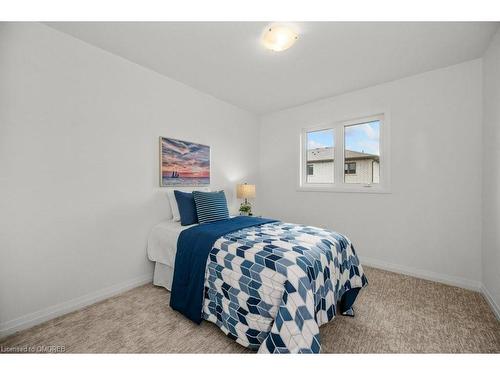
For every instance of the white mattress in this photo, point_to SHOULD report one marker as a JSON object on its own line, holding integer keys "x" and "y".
{"x": 162, "y": 241}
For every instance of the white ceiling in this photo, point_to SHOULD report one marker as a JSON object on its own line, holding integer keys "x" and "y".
{"x": 225, "y": 59}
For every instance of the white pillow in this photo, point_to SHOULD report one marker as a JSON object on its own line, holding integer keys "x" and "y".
{"x": 173, "y": 201}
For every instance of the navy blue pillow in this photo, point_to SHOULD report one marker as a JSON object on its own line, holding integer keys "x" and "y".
{"x": 211, "y": 206}
{"x": 187, "y": 207}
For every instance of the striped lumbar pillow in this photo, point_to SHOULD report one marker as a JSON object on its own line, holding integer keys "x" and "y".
{"x": 210, "y": 206}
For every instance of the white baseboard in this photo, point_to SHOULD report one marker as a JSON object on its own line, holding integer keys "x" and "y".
{"x": 491, "y": 301}
{"x": 52, "y": 312}
{"x": 423, "y": 274}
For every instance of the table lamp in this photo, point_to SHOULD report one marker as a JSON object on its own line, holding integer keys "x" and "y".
{"x": 245, "y": 191}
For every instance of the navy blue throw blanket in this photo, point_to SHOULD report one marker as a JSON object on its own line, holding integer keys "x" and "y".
{"x": 193, "y": 247}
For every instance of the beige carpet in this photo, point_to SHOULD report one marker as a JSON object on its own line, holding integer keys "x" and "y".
{"x": 394, "y": 314}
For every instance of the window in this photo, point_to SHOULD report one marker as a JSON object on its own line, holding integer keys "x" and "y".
{"x": 360, "y": 145}
{"x": 310, "y": 169}
{"x": 350, "y": 168}
{"x": 319, "y": 156}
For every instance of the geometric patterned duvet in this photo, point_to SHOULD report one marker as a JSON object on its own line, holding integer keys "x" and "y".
{"x": 270, "y": 287}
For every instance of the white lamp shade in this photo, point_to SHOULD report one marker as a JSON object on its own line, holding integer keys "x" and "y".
{"x": 245, "y": 191}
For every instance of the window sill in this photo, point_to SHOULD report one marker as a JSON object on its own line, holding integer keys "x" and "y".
{"x": 345, "y": 189}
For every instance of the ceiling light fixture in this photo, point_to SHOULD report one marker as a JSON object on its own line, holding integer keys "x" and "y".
{"x": 278, "y": 37}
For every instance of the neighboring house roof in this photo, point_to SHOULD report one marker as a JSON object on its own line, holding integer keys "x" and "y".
{"x": 327, "y": 154}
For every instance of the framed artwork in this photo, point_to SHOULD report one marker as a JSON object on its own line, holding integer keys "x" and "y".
{"x": 183, "y": 163}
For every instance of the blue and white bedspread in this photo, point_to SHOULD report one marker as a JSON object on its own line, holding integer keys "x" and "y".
{"x": 270, "y": 287}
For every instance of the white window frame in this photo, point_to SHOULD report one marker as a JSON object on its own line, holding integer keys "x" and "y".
{"x": 339, "y": 186}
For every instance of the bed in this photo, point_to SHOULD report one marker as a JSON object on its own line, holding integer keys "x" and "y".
{"x": 267, "y": 284}
{"x": 161, "y": 248}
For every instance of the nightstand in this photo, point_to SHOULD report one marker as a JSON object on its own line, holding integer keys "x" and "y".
{"x": 254, "y": 215}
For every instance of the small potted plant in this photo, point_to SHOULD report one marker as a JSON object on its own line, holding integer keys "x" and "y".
{"x": 245, "y": 209}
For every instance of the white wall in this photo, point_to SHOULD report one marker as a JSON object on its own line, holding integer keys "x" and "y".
{"x": 491, "y": 173}
{"x": 79, "y": 187}
{"x": 430, "y": 224}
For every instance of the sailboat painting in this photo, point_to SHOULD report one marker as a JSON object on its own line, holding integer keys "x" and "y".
{"x": 183, "y": 163}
